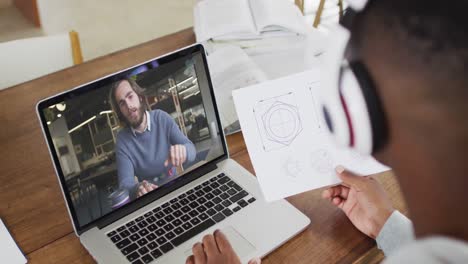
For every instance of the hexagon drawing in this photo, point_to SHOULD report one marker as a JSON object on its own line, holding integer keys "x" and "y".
{"x": 279, "y": 121}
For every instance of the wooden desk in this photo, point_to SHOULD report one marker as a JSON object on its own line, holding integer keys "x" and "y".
{"x": 33, "y": 208}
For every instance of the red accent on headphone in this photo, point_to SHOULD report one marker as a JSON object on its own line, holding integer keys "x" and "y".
{"x": 348, "y": 118}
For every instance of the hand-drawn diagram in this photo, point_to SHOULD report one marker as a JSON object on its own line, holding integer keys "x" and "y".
{"x": 294, "y": 167}
{"x": 314, "y": 86}
{"x": 278, "y": 121}
{"x": 321, "y": 161}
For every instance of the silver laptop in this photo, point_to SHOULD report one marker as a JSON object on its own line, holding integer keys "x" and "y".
{"x": 143, "y": 165}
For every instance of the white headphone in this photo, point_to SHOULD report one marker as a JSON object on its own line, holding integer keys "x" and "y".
{"x": 350, "y": 105}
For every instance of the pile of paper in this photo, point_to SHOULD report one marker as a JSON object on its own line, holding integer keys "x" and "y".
{"x": 246, "y": 19}
{"x": 251, "y": 41}
{"x": 230, "y": 69}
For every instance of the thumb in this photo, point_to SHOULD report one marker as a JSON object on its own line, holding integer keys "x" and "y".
{"x": 348, "y": 177}
{"x": 166, "y": 163}
{"x": 255, "y": 261}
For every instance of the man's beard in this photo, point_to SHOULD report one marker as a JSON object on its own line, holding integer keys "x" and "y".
{"x": 137, "y": 123}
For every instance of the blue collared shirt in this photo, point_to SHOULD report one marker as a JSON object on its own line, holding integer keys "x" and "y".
{"x": 148, "y": 124}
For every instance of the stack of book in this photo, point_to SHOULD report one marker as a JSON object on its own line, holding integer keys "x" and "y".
{"x": 251, "y": 41}
{"x": 222, "y": 20}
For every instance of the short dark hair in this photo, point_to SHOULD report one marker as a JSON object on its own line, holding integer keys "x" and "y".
{"x": 432, "y": 35}
{"x": 114, "y": 104}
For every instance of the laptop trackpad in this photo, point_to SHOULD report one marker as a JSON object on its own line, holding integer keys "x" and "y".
{"x": 240, "y": 245}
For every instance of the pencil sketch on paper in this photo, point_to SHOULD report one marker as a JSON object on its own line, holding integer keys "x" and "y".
{"x": 278, "y": 121}
{"x": 321, "y": 161}
{"x": 311, "y": 87}
{"x": 294, "y": 167}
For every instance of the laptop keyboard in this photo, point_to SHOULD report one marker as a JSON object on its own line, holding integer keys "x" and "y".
{"x": 160, "y": 230}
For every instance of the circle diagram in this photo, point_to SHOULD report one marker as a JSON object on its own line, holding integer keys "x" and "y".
{"x": 282, "y": 123}
{"x": 321, "y": 161}
{"x": 294, "y": 167}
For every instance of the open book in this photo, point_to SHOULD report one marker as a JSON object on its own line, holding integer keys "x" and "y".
{"x": 246, "y": 19}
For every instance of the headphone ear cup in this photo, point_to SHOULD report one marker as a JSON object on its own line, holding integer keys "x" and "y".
{"x": 375, "y": 113}
{"x": 355, "y": 109}
{"x": 329, "y": 97}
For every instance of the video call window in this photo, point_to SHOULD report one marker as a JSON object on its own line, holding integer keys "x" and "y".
{"x": 150, "y": 126}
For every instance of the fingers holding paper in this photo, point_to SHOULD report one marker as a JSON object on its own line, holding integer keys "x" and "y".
{"x": 336, "y": 194}
{"x": 362, "y": 199}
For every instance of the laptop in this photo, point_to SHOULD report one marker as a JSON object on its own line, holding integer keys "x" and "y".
{"x": 143, "y": 165}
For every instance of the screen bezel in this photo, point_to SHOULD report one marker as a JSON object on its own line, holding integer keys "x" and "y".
{"x": 163, "y": 190}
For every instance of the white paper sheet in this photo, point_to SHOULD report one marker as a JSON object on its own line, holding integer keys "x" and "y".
{"x": 214, "y": 18}
{"x": 9, "y": 251}
{"x": 289, "y": 146}
{"x": 231, "y": 69}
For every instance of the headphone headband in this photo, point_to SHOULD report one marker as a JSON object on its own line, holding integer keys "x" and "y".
{"x": 357, "y": 5}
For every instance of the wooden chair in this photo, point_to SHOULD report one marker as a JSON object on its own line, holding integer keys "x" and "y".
{"x": 318, "y": 14}
{"x": 321, "y": 6}
{"x": 26, "y": 59}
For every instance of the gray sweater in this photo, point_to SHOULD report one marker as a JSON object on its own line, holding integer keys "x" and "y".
{"x": 143, "y": 154}
{"x": 396, "y": 239}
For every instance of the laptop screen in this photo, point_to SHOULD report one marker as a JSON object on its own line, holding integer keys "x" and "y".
{"x": 137, "y": 132}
